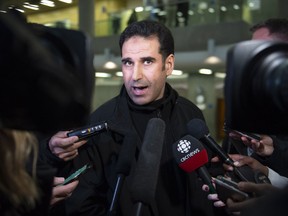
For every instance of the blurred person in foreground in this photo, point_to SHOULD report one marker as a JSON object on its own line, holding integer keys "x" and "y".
{"x": 269, "y": 154}
{"x": 29, "y": 107}
{"x": 25, "y": 183}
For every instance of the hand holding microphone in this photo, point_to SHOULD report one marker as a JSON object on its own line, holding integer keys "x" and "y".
{"x": 65, "y": 144}
{"x": 65, "y": 148}
{"x": 88, "y": 131}
{"x": 199, "y": 130}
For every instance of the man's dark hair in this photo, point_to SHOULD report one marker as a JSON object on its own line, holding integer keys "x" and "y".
{"x": 276, "y": 26}
{"x": 148, "y": 28}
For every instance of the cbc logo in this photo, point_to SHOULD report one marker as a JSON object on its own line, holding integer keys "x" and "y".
{"x": 183, "y": 146}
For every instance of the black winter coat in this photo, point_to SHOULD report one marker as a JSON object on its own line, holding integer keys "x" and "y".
{"x": 178, "y": 193}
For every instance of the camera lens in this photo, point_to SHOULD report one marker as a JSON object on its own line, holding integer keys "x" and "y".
{"x": 256, "y": 90}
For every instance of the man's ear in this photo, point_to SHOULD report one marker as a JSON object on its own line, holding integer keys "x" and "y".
{"x": 169, "y": 64}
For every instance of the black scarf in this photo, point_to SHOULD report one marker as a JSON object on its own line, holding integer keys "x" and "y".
{"x": 162, "y": 108}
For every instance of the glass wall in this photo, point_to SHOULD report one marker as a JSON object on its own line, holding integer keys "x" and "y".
{"x": 112, "y": 16}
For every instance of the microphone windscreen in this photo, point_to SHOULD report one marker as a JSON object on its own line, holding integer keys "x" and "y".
{"x": 146, "y": 173}
{"x": 197, "y": 128}
{"x": 189, "y": 153}
{"x": 126, "y": 154}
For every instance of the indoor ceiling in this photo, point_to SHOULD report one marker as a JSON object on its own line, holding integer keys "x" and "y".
{"x": 19, "y": 4}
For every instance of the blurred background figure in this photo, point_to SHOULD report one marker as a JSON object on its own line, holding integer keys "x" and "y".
{"x": 171, "y": 8}
{"x": 182, "y": 13}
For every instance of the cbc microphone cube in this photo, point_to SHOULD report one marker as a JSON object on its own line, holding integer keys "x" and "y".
{"x": 189, "y": 153}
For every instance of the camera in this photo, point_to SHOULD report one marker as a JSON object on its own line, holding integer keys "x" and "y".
{"x": 46, "y": 77}
{"x": 256, "y": 90}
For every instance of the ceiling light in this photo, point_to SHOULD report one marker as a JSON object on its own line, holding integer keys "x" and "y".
{"x": 66, "y": 1}
{"x": 191, "y": 13}
{"x": 12, "y": 7}
{"x": 211, "y": 10}
{"x": 223, "y": 8}
{"x": 102, "y": 74}
{"x": 47, "y": 3}
{"x": 212, "y": 58}
{"x": 220, "y": 75}
{"x": 20, "y": 10}
{"x": 183, "y": 76}
{"x": 203, "y": 6}
{"x": 110, "y": 65}
{"x": 30, "y": 6}
{"x": 236, "y": 7}
{"x": 205, "y": 71}
{"x": 254, "y": 4}
{"x": 109, "y": 56}
{"x": 139, "y": 9}
{"x": 177, "y": 72}
{"x": 119, "y": 74}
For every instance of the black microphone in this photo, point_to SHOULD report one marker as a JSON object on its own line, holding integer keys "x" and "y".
{"x": 191, "y": 155}
{"x": 198, "y": 129}
{"x": 88, "y": 131}
{"x": 123, "y": 168}
{"x": 146, "y": 173}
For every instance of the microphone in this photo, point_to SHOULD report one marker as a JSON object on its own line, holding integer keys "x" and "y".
{"x": 88, "y": 131}
{"x": 191, "y": 156}
{"x": 146, "y": 173}
{"x": 123, "y": 168}
{"x": 198, "y": 129}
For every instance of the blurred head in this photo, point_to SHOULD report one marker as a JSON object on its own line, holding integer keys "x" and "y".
{"x": 46, "y": 76}
{"x": 17, "y": 187}
{"x": 147, "y": 51}
{"x": 271, "y": 29}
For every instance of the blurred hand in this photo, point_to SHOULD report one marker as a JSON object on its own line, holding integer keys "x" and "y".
{"x": 61, "y": 192}
{"x": 258, "y": 190}
{"x": 65, "y": 147}
{"x": 264, "y": 147}
{"x": 235, "y": 207}
{"x": 241, "y": 160}
{"x": 213, "y": 197}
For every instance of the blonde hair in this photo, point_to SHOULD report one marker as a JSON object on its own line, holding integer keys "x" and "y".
{"x": 16, "y": 184}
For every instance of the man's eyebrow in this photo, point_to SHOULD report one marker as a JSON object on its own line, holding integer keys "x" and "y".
{"x": 126, "y": 59}
{"x": 148, "y": 58}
